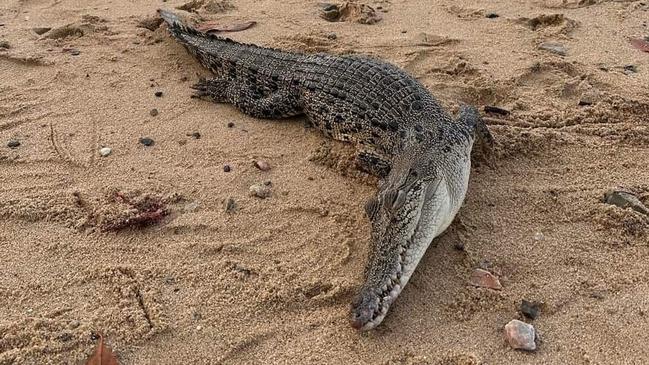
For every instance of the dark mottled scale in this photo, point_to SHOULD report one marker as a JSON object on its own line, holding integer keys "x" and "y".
{"x": 350, "y": 97}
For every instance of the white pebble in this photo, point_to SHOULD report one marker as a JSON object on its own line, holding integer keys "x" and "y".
{"x": 105, "y": 151}
{"x": 520, "y": 335}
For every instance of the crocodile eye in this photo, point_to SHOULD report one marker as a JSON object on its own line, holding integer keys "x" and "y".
{"x": 371, "y": 207}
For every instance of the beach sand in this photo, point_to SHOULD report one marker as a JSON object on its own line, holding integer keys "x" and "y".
{"x": 271, "y": 281}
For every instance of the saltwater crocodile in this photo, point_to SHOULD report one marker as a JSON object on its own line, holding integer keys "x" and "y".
{"x": 404, "y": 136}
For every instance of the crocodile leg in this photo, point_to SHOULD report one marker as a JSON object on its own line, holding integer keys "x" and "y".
{"x": 212, "y": 89}
{"x": 251, "y": 99}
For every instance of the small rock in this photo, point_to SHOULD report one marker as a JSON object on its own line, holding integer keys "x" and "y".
{"x": 459, "y": 245}
{"x": 538, "y": 236}
{"x": 147, "y": 141}
{"x": 262, "y": 165}
{"x": 332, "y": 36}
{"x": 74, "y": 324}
{"x": 491, "y": 15}
{"x": 485, "y": 279}
{"x": 41, "y": 30}
{"x": 230, "y": 205}
{"x": 589, "y": 97}
{"x": 630, "y": 69}
{"x": 153, "y": 112}
{"x": 196, "y": 135}
{"x": 104, "y": 152}
{"x": 495, "y": 110}
{"x": 5, "y": 45}
{"x": 530, "y": 309}
{"x": 554, "y": 48}
{"x": 158, "y": 93}
{"x": 227, "y": 168}
{"x": 260, "y": 190}
{"x": 520, "y": 335}
{"x": 75, "y": 52}
{"x": 625, "y": 199}
{"x": 13, "y": 143}
{"x": 230, "y": 125}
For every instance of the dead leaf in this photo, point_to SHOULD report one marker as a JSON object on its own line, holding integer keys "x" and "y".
{"x": 640, "y": 44}
{"x": 208, "y": 27}
{"x": 103, "y": 355}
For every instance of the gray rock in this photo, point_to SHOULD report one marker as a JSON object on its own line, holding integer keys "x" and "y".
{"x": 530, "y": 309}
{"x": 262, "y": 191}
{"x": 14, "y": 143}
{"x": 520, "y": 335}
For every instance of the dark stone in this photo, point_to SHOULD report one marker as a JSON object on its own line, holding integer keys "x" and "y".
{"x": 530, "y": 309}
{"x": 230, "y": 125}
{"x": 13, "y": 143}
{"x": 630, "y": 69}
{"x": 495, "y": 110}
{"x": 196, "y": 135}
{"x": 227, "y": 168}
{"x": 153, "y": 112}
{"x": 491, "y": 15}
{"x": 158, "y": 93}
{"x": 75, "y": 52}
{"x": 41, "y": 30}
{"x": 147, "y": 141}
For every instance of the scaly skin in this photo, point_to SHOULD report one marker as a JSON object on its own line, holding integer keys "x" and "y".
{"x": 404, "y": 136}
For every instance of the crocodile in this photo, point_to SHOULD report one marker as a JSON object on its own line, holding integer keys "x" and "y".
{"x": 403, "y": 135}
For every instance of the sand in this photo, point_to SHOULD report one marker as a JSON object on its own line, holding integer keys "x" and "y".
{"x": 271, "y": 282}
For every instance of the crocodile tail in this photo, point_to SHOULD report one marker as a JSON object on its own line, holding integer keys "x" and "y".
{"x": 185, "y": 33}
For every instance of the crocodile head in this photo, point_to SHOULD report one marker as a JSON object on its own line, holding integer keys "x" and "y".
{"x": 415, "y": 203}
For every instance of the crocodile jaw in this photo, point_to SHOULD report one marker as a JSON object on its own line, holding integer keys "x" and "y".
{"x": 434, "y": 214}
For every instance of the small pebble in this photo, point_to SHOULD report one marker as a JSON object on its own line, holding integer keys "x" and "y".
{"x": 153, "y": 112}
{"x": 630, "y": 69}
{"x": 158, "y": 93}
{"x": 538, "y": 236}
{"x": 196, "y": 135}
{"x": 105, "y": 151}
{"x": 459, "y": 245}
{"x": 260, "y": 190}
{"x": 496, "y": 110}
{"x": 520, "y": 335}
{"x": 227, "y": 168}
{"x": 491, "y": 15}
{"x": 554, "y": 48}
{"x": 75, "y": 52}
{"x": 147, "y": 141}
{"x": 13, "y": 143}
{"x": 230, "y": 205}
{"x": 41, "y": 30}
{"x": 5, "y": 45}
{"x": 530, "y": 309}
{"x": 485, "y": 279}
{"x": 332, "y": 36}
{"x": 230, "y": 125}
{"x": 262, "y": 165}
